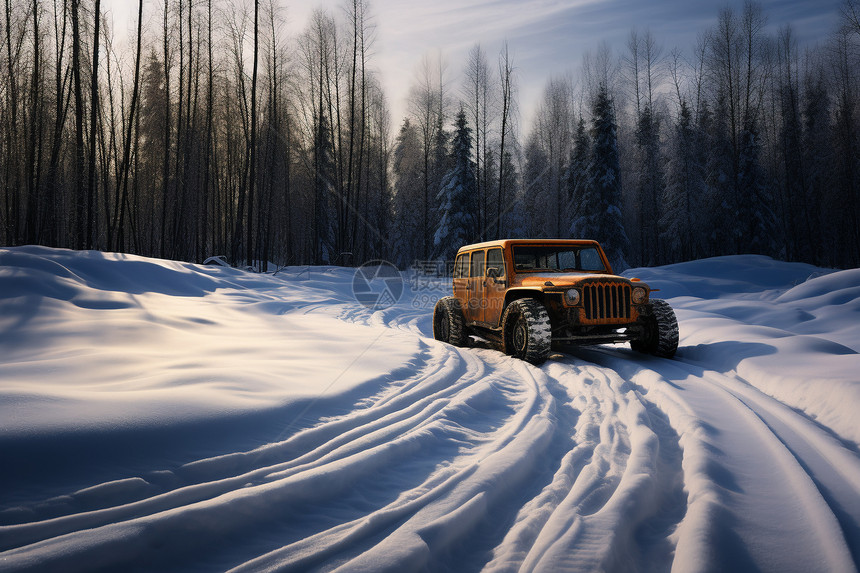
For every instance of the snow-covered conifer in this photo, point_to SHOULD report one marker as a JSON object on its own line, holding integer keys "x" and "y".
{"x": 685, "y": 188}
{"x": 606, "y": 180}
{"x": 457, "y": 196}
{"x": 577, "y": 175}
{"x": 536, "y": 188}
{"x": 649, "y": 181}
{"x": 758, "y": 231}
{"x": 718, "y": 208}
{"x": 408, "y": 196}
{"x": 817, "y": 157}
{"x": 325, "y": 176}
{"x": 513, "y": 219}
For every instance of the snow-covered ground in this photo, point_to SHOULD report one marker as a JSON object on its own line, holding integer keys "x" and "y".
{"x": 164, "y": 416}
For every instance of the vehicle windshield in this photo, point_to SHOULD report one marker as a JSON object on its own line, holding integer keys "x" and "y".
{"x": 558, "y": 258}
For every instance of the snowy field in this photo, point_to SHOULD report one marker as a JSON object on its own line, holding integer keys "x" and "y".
{"x": 160, "y": 416}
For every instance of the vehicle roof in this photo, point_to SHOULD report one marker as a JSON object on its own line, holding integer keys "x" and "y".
{"x": 504, "y": 243}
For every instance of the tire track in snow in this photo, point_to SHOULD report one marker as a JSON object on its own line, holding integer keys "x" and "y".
{"x": 468, "y": 418}
{"x": 433, "y": 376}
{"x": 750, "y": 471}
{"x": 832, "y": 467}
{"x": 615, "y": 497}
{"x": 466, "y": 458}
{"x": 569, "y": 522}
{"x": 424, "y": 538}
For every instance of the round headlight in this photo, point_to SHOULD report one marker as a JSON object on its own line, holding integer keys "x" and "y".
{"x": 572, "y": 296}
{"x": 639, "y": 295}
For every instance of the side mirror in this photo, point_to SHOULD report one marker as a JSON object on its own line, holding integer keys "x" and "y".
{"x": 495, "y": 273}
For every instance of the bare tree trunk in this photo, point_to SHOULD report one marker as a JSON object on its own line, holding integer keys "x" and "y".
{"x": 204, "y": 226}
{"x": 79, "y": 128}
{"x": 473, "y": 88}
{"x": 51, "y": 219}
{"x": 34, "y": 155}
{"x": 178, "y": 179}
{"x": 12, "y": 181}
{"x": 166, "y": 165}
{"x": 360, "y": 26}
{"x": 121, "y": 202}
{"x": 92, "y": 184}
{"x": 343, "y": 221}
{"x": 110, "y": 150}
{"x": 253, "y": 139}
{"x": 506, "y": 69}
{"x": 634, "y": 47}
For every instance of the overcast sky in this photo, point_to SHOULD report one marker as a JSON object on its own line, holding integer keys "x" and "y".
{"x": 546, "y": 37}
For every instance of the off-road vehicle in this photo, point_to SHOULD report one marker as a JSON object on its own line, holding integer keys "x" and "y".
{"x": 529, "y": 295}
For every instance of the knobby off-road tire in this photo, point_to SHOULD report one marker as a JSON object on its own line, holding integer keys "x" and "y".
{"x": 449, "y": 325}
{"x": 661, "y": 331}
{"x": 527, "y": 331}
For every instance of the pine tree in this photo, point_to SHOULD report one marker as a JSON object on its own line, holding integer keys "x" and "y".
{"x": 649, "y": 185}
{"x": 720, "y": 200}
{"x": 488, "y": 228}
{"x": 685, "y": 188}
{"x": 153, "y": 110}
{"x": 513, "y": 219}
{"x": 757, "y": 230}
{"x": 457, "y": 197}
{"x": 817, "y": 159}
{"x": 577, "y": 174}
{"x": 792, "y": 182}
{"x": 324, "y": 189}
{"x": 408, "y": 196}
{"x": 608, "y": 224}
{"x": 440, "y": 165}
{"x": 536, "y": 188}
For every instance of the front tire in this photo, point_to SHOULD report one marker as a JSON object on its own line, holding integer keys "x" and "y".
{"x": 527, "y": 332}
{"x": 660, "y": 335}
{"x": 449, "y": 324}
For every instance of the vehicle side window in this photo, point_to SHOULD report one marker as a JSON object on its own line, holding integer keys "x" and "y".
{"x": 478, "y": 264}
{"x": 495, "y": 260}
{"x": 461, "y": 268}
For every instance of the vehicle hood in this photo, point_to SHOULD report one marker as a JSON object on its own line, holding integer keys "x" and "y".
{"x": 539, "y": 280}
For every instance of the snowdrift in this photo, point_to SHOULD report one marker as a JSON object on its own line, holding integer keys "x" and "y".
{"x": 790, "y": 329}
{"x": 167, "y": 416}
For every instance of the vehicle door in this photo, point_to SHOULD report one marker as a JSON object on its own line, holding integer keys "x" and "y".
{"x": 495, "y": 284}
{"x": 461, "y": 279}
{"x": 475, "y": 287}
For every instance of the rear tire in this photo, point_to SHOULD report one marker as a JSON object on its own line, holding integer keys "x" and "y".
{"x": 449, "y": 324}
{"x": 527, "y": 332}
{"x": 660, "y": 336}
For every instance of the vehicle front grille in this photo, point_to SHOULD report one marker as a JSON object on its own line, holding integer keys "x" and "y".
{"x": 606, "y": 302}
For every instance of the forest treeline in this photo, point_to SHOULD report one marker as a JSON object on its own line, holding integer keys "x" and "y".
{"x": 212, "y": 132}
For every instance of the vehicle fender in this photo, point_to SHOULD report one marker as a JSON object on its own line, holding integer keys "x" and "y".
{"x": 516, "y": 293}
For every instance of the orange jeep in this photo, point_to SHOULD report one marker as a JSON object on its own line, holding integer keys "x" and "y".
{"x": 528, "y": 294}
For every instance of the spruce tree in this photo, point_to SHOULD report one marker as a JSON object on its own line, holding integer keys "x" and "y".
{"x": 649, "y": 185}
{"x": 792, "y": 177}
{"x": 757, "y": 231}
{"x": 578, "y": 175}
{"x": 536, "y": 188}
{"x": 817, "y": 157}
{"x": 323, "y": 192}
{"x": 606, "y": 182}
{"x": 513, "y": 220}
{"x": 719, "y": 205}
{"x": 685, "y": 188}
{"x": 457, "y": 197}
{"x": 408, "y": 196}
